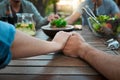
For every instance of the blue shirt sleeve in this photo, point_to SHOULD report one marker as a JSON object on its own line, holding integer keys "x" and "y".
{"x": 114, "y": 7}
{"x": 7, "y": 33}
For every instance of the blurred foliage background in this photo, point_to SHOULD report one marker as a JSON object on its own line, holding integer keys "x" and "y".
{"x": 45, "y": 7}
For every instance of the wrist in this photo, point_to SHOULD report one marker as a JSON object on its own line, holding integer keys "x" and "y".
{"x": 88, "y": 51}
{"x": 84, "y": 50}
{"x": 56, "y": 46}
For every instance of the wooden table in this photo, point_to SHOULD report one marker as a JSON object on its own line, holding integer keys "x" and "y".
{"x": 55, "y": 66}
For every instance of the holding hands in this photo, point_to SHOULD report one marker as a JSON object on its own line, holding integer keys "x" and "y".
{"x": 76, "y": 46}
{"x": 60, "y": 39}
{"x": 71, "y": 43}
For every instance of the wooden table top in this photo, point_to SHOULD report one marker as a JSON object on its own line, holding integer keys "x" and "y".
{"x": 56, "y": 66}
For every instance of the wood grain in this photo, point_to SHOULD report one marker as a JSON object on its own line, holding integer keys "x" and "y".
{"x": 56, "y": 66}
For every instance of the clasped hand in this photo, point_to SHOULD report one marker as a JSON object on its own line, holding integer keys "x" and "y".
{"x": 72, "y": 44}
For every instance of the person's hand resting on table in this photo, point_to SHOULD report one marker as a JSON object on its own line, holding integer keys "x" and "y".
{"x": 106, "y": 64}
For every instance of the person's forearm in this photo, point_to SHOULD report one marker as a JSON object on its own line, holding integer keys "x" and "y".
{"x": 27, "y": 46}
{"x": 108, "y": 65}
{"x": 73, "y": 17}
{"x": 69, "y": 21}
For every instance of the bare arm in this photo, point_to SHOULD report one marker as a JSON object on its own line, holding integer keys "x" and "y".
{"x": 72, "y": 18}
{"x": 108, "y": 65}
{"x": 27, "y": 46}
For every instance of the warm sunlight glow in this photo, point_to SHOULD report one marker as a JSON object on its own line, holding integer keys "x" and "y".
{"x": 72, "y": 4}
{"x": 75, "y": 3}
{"x": 67, "y": 6}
